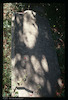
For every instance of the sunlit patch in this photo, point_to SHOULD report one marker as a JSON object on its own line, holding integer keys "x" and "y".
{"x": 60, "y": 83}
{"x": 41, "y": 81}
{"x": 12, "y": 24}
{"x": 36, "y": 64}
{"x": 18, "y": 21}
{"x": 13, "y": 18}
{"x": 30, "y": 29}
{"x": 22, "y": 93}
{"x": 18, "y": 56}
{"x": 13, "y": 62}
{"x": 44, "y": 63}
{"x": 30, "y": 40}
{"x": 38, "y": 79}
{"x": 48, "y": 86}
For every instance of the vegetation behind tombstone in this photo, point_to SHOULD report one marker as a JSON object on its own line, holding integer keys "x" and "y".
{"x": 55, "y": 13}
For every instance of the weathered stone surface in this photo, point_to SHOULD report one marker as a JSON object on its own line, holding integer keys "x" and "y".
{"x": 35, "y": 68}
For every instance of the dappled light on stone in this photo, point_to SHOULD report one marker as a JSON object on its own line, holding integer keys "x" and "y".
{"x": 44, "y": 64}
{"x": 39, "y": 80}
{"x": 29, "y": 40}
{"x": 30, "y": 29}
{"x": 18, "y": 57}
{"x": 13, "y": 62}
{"x": 36, "y": 64}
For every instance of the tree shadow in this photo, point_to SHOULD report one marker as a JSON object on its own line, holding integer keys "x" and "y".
{"x": 25, "y": 89}
{"x": 35, "y": 57}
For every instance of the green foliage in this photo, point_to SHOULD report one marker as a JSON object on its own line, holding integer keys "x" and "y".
{"x": 4, "y": 94}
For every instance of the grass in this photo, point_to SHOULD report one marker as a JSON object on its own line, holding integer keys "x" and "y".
{"x": 56, "y": 15}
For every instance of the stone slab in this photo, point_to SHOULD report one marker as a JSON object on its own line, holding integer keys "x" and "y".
{"x": 35, "y": 68}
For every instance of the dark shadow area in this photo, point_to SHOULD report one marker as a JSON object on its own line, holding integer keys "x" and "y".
{"x": 25, "y": 89}
{"x": 35, "y": 54}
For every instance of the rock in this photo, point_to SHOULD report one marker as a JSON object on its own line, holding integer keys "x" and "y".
{"x": 32, "y": 38}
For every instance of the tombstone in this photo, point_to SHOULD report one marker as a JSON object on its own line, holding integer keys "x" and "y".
{"x": 35, "y": 68}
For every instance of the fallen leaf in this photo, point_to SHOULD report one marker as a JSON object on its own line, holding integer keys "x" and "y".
{"x": 5, "y": 86}
{"x": 55, "y": 30}
{"x": 53, "y": 25}
{"x": 24, "y": 57}
{"x": 4, "y": 67}
{"x": 61, "y": 40}
{"x": 57, "y": 93}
